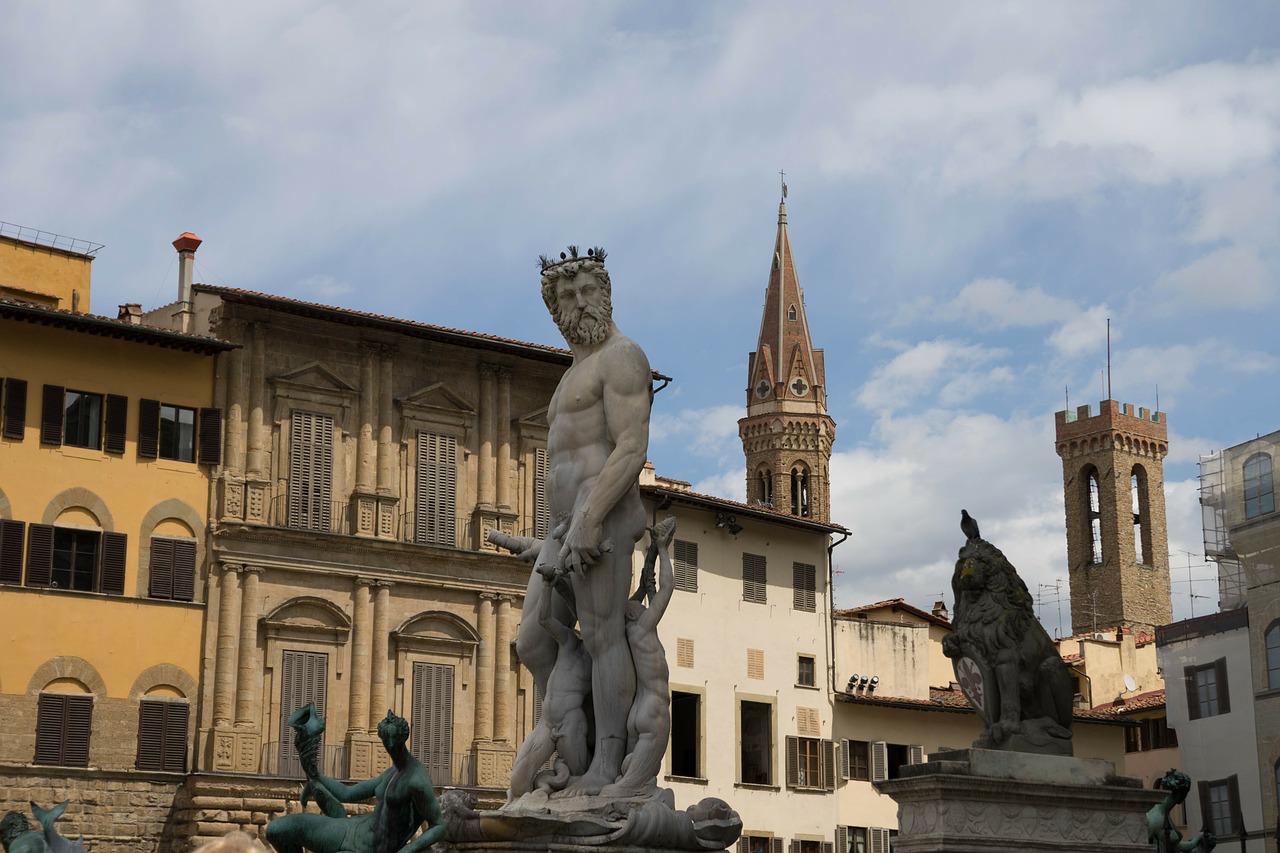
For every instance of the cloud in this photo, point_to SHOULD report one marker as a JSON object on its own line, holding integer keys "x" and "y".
{"x": 1001, "y": 304}
{"x": 1084, "y": 333}
{"x": 321, "y": 288}
{"x": 1229, "y": 277}
{"x": 956, "y": 369}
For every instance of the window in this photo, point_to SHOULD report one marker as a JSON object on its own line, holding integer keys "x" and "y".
{"x": 792, "y": 313}
{"x": 759, "y": 844}
{"x": 82, "y": 421}
{"x": 63, "y": 725}
{"x": 1150, "y": 734}
{"x": 806, "y": 671}
{"x": 863, "y": 839}
{"x": 432, "y": 720}
{"x": 855, "y": 760}
{"x": 764, "y": 484}
{"x": 803, "y": 587}
{"x": 436, "y": 501}
{"x": 1207, "y": 693}
{"x": 756, "y": 756}
{"x": 799, "y": 491}
{"x": 686, "y": 565}
{"x": 755, "y": 663}
{"x": 1259, "y": 493}
{"x": 173, "y": 569}
{"x": 304, "y": 680}
{"x": 1138, "y": 503}
{"x": 167, "y": 431}
{"x": 754, "y": 578}
{"x": 887, "y": 759}
{"x": 686, "y": 715}
{"x": 75, "y": 559}
{"x": 1220, "y": 806}
{"x": 542, "y": 509}
{"x": 14, "y": 415}
{"x": 1095, "y": 518}
{"x": 811, "y": 763}
{"x": 1272, "y": 641}
{"x": 162, "y": 735}
{"x": 310, "y": 471}
{"x": 806, "y": 845}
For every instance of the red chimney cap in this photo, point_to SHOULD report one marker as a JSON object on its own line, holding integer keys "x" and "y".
{"x": 187, "y": 242}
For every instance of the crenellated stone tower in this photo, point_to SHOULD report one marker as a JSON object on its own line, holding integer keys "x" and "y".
{"x": 787, "y": 433}
{"x": 1117, "y": 540}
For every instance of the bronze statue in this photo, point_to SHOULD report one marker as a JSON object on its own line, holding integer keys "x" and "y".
{"x": 1160, "y": 829}
{"x": 1004, "y": 661}
{"x": 404, "y": 791}
{"x": 17, "y": 838}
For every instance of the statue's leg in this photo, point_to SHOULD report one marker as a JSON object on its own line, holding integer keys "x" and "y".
{"x": 537, "y": 649}
{"x": 314, "y": 832}
{"x": 535, "y": 750}
{"x": 572, "y": 744}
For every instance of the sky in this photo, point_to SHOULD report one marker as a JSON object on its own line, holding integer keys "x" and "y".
{"x": 975, "y": 189}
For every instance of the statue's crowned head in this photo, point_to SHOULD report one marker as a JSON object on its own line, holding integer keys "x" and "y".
{"x": 12, "y": 825}
{"x": 393, "y": 728}
{"x": 579, "y": 295}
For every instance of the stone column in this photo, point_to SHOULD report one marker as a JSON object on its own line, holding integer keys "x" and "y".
{"x": 257, "y": 395}
{"x": 248, "y": 678}
{"x": 236, "y": 400}
{"x": 502, "y": 699}
{"x": 504, "y": 438}
{"x": 484, "y": 670}
{"x": 387, "y": 457}
{"x": 485, "y": 491}
{"x": 378, "y": 696}
{"x": 224, "y": 674}
{"x": 361, "y": 657}
{"x": 366, "y": 446}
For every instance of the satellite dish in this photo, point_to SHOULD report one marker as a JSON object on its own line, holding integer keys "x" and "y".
{"x": 1129, "y": 684}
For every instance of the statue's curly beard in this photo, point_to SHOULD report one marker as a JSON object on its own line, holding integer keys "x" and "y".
{"x": 587, "y": 325}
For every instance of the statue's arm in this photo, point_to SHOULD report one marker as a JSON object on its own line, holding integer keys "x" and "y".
{"x": 627, "y": 399}
{"x": 426, "y": 804}
{"x": 553, "y": 626}
{"x": 667, "y": 585}
{"x": 352, "y": 793}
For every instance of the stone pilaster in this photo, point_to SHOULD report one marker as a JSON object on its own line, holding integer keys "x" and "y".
{"x": 379, "y": 694}
{"x": 361, "y": 745}
{"x": 388, "y": 457}
{"x": 485, "y": 487}
{"x": 224, "y": 675}
{"x": 248, "y": 667}
{"x": 484, "y": 670}
{"x": 231, "y": 503}
{"x": 503, "y": 482}
{"x": 364, "y": 500}
{"x": 502, "y": 687}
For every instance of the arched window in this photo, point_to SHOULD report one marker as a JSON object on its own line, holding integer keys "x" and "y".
{"x": 800, "y": 491}
{"x": 1095, "y": 518}
{"x": 1141, "y": 509}
{"x": 1272, "y": 639}
{"x": 792, "y": 314}
{"x": 764, "y": 487}
{"x": 1259, "y": 494}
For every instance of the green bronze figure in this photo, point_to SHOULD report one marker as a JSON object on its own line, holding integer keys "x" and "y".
{"x": 405, "y": 794}
{"x": 1160, "y": 829}
{"x": 17, "y": 838}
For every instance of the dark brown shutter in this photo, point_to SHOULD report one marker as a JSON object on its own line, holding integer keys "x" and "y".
{"x": 150, "y": 735}
{"x": 160, "y": 584}
{"x": 15, "y": 408}
{"x": 51, "y": 410}
{"x": 742, "y": 845}
{"x": 829, "y": 765}
{"x": 210, "y": 437}
{"x": 51, "y": 714}
{"x": 1206, "y": 817}
{"x": 39, "y": 554}
{"x": 1233, "y": 803}
{"x": 117, "y": 421}
{"x": 184, "y": 570}
{"x": 177, "y": 716}
{"x": 842, "y": 839}
{"x": 148, "y": 429}
{"x": 793, "y": 761}
{"x": 114, "y": 547}
{"x": 11, "y": 533}
{"x": 1224, "y": 693}
{"x": 75, "y": 749}
{"x": 828, "y": 847}
{"x": 777, "y": 845}
{"x": 1193, "y": 695}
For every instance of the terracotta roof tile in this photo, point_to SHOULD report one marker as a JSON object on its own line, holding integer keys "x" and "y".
{"x": 20, "y": 309}
{"x": 946, "y": 699}
{"x": 1132, "y": 704}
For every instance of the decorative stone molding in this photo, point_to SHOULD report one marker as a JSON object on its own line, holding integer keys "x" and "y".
{"x": 161, "y": 674}
{"x": 67, "y": 666}
{"x": 78, "y": 496}
{"x": 308, "y": 617}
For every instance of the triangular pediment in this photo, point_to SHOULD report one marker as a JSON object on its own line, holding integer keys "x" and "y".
{"x": 438, "y": 395}
{"x": 315, "y": 375}
{"x": 535, "y": 418}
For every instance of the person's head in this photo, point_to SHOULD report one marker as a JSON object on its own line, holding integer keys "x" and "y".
{"x": 12, "y": 825}
{"x": 393, "y": 730}
{"x": 1176, "y": 782}
{"x": 579, "y": 296}
{"x": 233, "y": 842}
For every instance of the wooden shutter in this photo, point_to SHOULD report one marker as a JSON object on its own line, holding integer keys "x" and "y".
{"x": 827, "y": 847}
{"x": 754, "y": 579}
{"x": 75, "y": 749}
{"x": 114, "y": 549}
{"x": 15, "y": 408}
{"x": 1233, "y": 803}
{"x": 842, "y": 839}
{"x": 742, "y": 845}
{"x": 1224, "y": 694}
{"x": 541, "y": 507}
{"x": 117, "y": 421}
{"x": 804, "y": 579}
{"x": 684, "y": 652}
{"x": 304, "y": 680}
{"x": 210, "y": 449}
{"x": 63, "y": 725}
{"x": 845, "y": 770}
{"x": 879, "y": 840}
{"x": 39, "y": 554}
{"x": 432, "y": 720}
{"x": 793, "y": 846}
{"x": 11, "y": 534}
{"x": 177, "y": 717}
{"x": 793, "y": 761}
{"x": 829, "y": 765}
{"x": 51, "y": 412}
{"x": 755, "y": 663}
{"x": 160, "y": 584}
{"x": 879, "y": 761}
{"x": 1206, "y": 814}
{"x": 916, "y": 753}
{"x": 148, "y": 429}
{"x": 184, "y": 570}
{"x": 150, "y": 735}
{"x": 776, "y": 844}
{"x": 686, "y": 565}
{"x": 435, "y": 519}
{"x": 1193, "y": 693}
{"x": 310, "y": 471}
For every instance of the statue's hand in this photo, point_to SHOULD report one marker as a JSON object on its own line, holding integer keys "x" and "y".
{"x": 582, "y": 545}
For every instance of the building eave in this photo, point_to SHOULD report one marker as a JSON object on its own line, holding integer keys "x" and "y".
{"x": 93, "y": 324}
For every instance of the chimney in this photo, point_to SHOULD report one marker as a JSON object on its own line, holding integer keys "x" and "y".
{"x": 131, "y": 313}
{"x": 940, "y": 609}
{"x": 186, "y": 244}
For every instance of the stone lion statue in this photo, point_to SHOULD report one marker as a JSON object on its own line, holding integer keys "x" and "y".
{"x": 1004, "y": 661}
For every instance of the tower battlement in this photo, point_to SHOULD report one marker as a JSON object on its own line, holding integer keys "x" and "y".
{"x": 1137, "y": 430}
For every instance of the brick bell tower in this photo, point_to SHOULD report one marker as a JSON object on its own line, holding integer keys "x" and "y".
{"x": 787, "y": 433}
{"x": 1117, "y": 541}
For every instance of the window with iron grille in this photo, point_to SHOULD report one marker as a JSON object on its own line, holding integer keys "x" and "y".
{"x": 685, "y": 563}
{"x": 63, "y": 725}
{"x": 754, "y": 579}
{"x": 804, "y": 579}
{"x": 162, "y": 735}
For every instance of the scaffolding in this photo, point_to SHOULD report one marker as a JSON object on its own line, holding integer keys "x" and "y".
{"x": 1214, "y": 495}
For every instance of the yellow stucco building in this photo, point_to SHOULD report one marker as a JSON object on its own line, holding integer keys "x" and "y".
{"x": 107, "y": 436}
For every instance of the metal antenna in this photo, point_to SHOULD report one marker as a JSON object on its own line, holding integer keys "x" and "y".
{"x": 1108, "y": 358}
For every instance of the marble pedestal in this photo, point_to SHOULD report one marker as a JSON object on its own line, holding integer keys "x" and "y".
{"x": 973, "y": 800}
